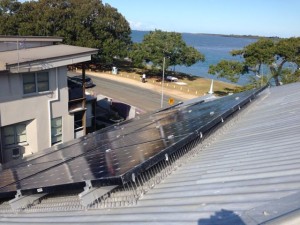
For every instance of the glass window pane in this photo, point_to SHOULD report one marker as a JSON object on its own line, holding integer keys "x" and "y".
{"x": 42, "y": 76}
{"x": 56, "y": 139}
{"x": 56, "y": 122}
{"x": 29, "y": 83}
{"x": 28, "y": 78}
{"x": 21, "y": 133}
{"x": 9, "y": 140}
{"x": 56, "y": 130}
{"x": 21, "y": 138}
{"x": 20, "y": 129}
{"x": 43, "y": 81}
{"x": 78, "y": 120}
{"x": 8, "y": 135}
{"x": 29, "y": 88}
{"x": 78, "y": 124}
{"x": 43, "y": 86}
{"x": 7, "y": 131}
{"x": 14, "y": 134}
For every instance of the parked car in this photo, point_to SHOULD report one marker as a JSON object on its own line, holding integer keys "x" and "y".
{"x": 171, "y": 78}
{"x": 88, "y": 81}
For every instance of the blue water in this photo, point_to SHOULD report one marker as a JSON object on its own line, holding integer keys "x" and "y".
{"x": 214, "y": 47}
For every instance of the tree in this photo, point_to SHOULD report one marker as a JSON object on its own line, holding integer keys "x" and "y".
{"x": 257, "y": 54}
{"x": 272, "y": 53}
{"x": 158, "y": 45}
{"x": 81, "y": 23}
{"x": 287, "y": 51}
{"x": 8, "y": 16}
{"x": 114, "y": 32}
{"x": 230, "y": 70}
{"x": 290, "y": 75}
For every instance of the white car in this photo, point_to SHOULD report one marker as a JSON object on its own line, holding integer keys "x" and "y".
{"x": 172, "y": 79}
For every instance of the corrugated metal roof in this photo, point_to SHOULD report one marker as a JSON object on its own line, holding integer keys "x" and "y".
{"x": 247, "y": 172}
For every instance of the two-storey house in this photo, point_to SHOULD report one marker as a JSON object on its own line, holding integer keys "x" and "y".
{"x": 34, "y": 98}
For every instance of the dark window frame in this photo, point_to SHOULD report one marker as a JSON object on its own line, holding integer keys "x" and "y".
{"x": 17, "y": 138}
{"x": 37, "y": 83}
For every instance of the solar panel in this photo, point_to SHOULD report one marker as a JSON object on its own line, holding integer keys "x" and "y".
{"x": 111, "y": 155}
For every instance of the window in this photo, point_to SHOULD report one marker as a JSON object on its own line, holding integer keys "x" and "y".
{"x": 43, "y": 81}
{"x": 14, "y": 134}
{"x": 29, "y": 85}
{"x": 35, "y": 82}
{"x": 56, "y": 130}
{"x": 79, "y": 129}
{"x": 78, "y": 120}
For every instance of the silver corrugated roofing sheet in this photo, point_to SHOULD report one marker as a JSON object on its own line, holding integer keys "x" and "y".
{"x": 248, "y": 172}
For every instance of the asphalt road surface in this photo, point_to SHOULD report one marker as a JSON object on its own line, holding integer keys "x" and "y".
{"x": 144, "y": 99}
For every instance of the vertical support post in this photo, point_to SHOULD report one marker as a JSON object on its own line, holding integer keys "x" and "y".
{"x": 1, "y": 153}
{"x": 18, "y": 55}
{"x": 94, "y": 113}
{"x": 84, "y": 99}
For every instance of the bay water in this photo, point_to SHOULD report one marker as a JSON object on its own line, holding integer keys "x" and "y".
{"x": 214, "y": 47}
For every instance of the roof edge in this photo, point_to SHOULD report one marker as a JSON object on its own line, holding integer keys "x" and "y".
{"x": 30, "y": 38}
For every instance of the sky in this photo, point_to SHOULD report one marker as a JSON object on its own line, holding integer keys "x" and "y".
{"x": 240, "y": 17}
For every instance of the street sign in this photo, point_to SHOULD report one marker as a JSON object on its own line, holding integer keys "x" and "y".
{"x": 171, "y": 101}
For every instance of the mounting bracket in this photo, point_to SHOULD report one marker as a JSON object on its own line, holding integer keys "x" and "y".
{"x": 22, "y": 201}
{"x": 91, "y": 194}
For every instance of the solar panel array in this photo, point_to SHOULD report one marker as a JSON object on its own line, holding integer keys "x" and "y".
{"x": 111, "y": 155}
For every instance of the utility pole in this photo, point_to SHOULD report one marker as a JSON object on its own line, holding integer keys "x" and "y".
{"x": 84, "y": 99}
{"x": 162, "y": 84}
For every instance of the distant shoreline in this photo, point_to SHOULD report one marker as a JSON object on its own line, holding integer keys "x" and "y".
{"x": 234, "y": 35}
{"x": 224, "y": 35}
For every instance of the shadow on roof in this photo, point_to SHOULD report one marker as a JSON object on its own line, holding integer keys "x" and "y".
{"x": 223, "y": 217}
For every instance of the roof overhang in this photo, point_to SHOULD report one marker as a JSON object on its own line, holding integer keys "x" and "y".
{"x": 47, "y": 64}
{"x": 42, "y": 58}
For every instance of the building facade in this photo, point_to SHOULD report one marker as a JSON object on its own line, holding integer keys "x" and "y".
{"x": 34, "y": 94}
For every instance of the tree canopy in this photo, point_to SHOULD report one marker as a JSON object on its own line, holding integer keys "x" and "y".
{"x": 81, "y": 23}
{"x": 158, "y": 45}
{"x": 272, "y": 53}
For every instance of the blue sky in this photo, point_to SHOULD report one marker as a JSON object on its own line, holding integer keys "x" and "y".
{"x": 245, "y": 17}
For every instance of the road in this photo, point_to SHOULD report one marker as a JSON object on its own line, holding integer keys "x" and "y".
{"x": 144, "y": 99}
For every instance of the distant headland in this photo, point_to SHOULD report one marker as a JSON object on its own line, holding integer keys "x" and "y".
{"x": 221, "y": 35}
{"x": 236, "y": 35}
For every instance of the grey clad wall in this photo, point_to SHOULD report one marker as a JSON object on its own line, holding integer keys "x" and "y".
{"x": 36, "y": 110}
